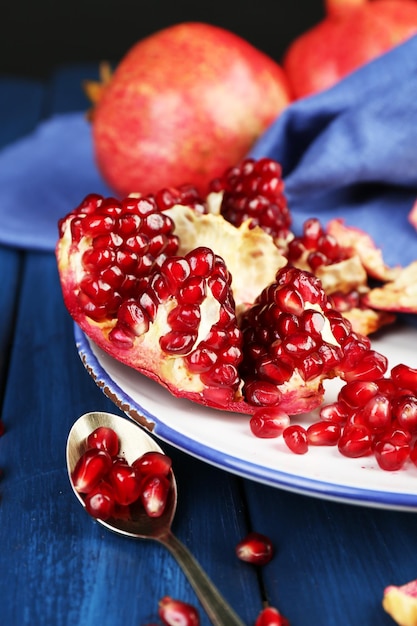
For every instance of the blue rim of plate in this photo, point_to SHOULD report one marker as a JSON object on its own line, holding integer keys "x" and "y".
{"x": 241, "y": 467}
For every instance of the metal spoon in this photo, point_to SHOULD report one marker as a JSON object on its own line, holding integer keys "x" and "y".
{"x": 133, "y": 443}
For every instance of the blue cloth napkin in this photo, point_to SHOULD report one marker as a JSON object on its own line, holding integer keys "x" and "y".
{"x": 348, "y": 152}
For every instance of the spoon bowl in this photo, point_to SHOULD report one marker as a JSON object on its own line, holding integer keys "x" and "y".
{"x": 134, "y": 442}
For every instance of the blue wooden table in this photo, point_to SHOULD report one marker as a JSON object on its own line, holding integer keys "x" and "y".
{"x": 59, "y": 568}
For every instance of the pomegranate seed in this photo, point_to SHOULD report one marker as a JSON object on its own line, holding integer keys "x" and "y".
{"x": 335, "y": 412}
{"x": 391, "y": 455}
{"x": 262, "y": 393}
{"x": 413, "y": 453}
{"x": 324, "y": 433}
{"x": 355, "y": 441}
{"x": 404, "y": 410}
{"x": 153, "y": 462}
{"x": 125, "y": 481}
{"x": 154, "y": 495}
{"x": 104, "y": 438}
{"x": 267, "y": 423}
{"x": 376, "y": 413}
{"x": 295, "y": 437}
{"x": 177, "y": 613}
{"x": 91, "y": 467}
{"x": 255, "y": 548}
{"x": 271, "y": 617}
{"x": 357, "y": 393}
{"x": 100, "y": 502}
{"x": 405, "y": 377}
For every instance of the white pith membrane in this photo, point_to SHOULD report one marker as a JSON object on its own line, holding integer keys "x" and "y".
{"x": 250, "y": 254}
{"x": 399, "y": 294}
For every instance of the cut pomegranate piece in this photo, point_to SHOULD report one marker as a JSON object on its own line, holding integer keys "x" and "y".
{"x": 175, "y": 612}
{"x": 400, "y": 602}
{"x": 399, "y": 295}
{"x": 157, "y": 307}
{"x": 255, "y": 548}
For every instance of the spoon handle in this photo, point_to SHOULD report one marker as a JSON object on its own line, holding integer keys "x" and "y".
{"x": 216, "y": 607}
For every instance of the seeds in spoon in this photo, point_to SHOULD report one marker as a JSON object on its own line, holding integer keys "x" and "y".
{"x": 109, "y": 484}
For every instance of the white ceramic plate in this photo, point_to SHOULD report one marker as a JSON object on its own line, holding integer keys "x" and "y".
{"x": 224, "y": 439}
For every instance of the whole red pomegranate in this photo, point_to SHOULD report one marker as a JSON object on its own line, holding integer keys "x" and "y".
{"x": 352, "y": 33}
{"x": 183, "y": 105}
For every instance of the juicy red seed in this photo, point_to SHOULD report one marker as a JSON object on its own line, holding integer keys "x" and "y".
{"x": 90, "y": 468}
{"x": 404, "y": 410}
{"x": 355, "y": 441}
{"x": 312, "y": 230}
{"x": 153, "y": 462}
{"x": 100, "y": 502}
{"x": 391, "y": 455}
{"x": 357, "y": 393}
{"x": 186, "y": 317}
{"x": 255, "y": 548}
{"x": 133, "y": 316}
{"x": 335, "y": 412}
{"x": 289, "y": 300}
{"x": 312, "y": 321}
{"x": 323, "y": 433}
{"x": 178, "y": 343}
{"x": 104, "y": 438}
{"x": 300, "y": 344}
{"x": 125, "y": 481}
{"x": 262, "y": 393}
{"x": 295, "y": 437}
{"x": 201, "y": 359}
{"x": 176, "y": 269}
{"x": 223, "y": 374}
{"x": 271, "y": 617}
{"x": 267, "y": 423}
{"x": 377, "y": 412}
{"x": 177, "y": 613}
{"x": 413, "y": 453}
{"x": 371, "y": 366}
{"x": 154, "y": 495}
{"x": 275, "y": 370}
{"x": 201, "y": 261}
{"x": 405, "y": 377}
{"x": 193, "y": 291}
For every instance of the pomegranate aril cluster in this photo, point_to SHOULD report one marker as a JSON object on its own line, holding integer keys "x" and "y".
{"x": 377, "y": 417}
{"x": 254, "y": 190}
{"x": 315, "y": 247}
{"x": 109, "y": 485}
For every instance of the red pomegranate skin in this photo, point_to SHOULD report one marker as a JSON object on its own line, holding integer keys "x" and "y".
{"x": 183, "y": 105}
{"x": 353, "y": 33}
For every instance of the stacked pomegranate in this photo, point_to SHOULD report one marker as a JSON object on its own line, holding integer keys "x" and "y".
{"x": 216, "y": 299}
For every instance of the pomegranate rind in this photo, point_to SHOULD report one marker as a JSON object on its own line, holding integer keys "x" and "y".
{"x": 400, "y": 602}
{"x": 363, "y": 245}
{"x": 399, "y": 295}
{"x": 367, "y": 321}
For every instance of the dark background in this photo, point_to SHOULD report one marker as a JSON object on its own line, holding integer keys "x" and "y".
{"x": 38, "y": 35}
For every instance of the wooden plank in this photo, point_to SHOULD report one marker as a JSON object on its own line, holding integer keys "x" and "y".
{"x": 64, "y": 569}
